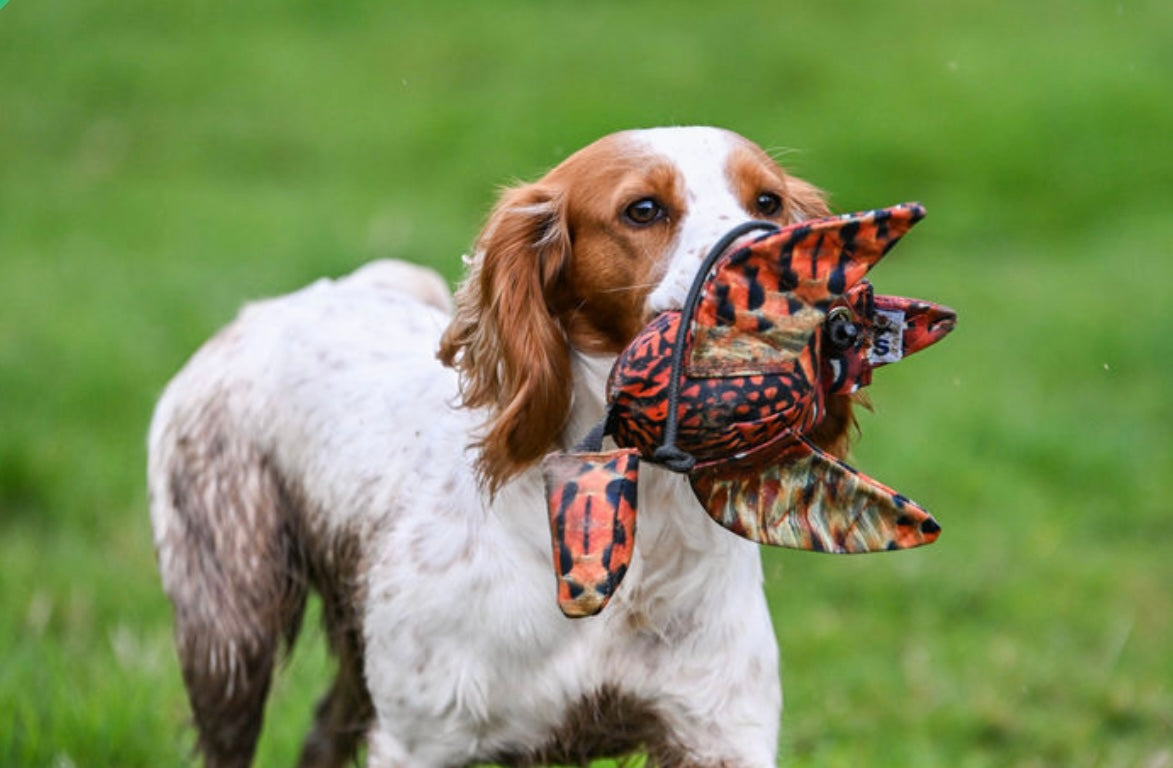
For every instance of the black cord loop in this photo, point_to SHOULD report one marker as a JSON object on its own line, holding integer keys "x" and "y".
{"x": 669, "y": 454}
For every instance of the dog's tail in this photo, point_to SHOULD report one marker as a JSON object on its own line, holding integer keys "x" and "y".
{"x": 230, "y": 556}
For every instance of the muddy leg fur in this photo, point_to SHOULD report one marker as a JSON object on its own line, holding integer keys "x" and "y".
{"x": 238, "y": 563}
{"x": 236, "y": 574}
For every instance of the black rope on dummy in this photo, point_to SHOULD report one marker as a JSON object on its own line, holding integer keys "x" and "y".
{"x": 669, "y": 454}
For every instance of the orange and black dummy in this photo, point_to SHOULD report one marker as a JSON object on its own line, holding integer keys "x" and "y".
{"x": 726, "y": 391}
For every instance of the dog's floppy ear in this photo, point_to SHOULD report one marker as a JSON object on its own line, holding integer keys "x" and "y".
{"x": 504, "y": 341}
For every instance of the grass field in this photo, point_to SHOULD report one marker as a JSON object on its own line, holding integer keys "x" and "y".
{"x": 161, "y": 163}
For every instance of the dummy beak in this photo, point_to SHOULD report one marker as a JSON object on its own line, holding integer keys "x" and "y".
{"x": 905, "y": 326}
{"x": 870, "y": 331}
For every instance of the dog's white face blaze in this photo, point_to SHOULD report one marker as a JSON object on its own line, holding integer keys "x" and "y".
{"x": 325, "y": 415}
{"x": 701, "y": 156}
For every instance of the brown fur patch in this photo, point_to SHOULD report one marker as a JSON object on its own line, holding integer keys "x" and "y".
{"x": 839, "y": 425}
{"x": 608, "y": 723}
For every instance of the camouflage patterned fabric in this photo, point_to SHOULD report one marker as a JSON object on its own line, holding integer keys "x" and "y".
{"x": 774, "y": 324}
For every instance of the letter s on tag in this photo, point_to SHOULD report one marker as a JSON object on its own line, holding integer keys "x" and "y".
{"x": 887, "y": 337}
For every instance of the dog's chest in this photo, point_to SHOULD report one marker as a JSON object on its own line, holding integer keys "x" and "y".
{"x": 464, "y": 637}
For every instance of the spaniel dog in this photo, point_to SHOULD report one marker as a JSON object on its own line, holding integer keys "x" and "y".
{"x": 365, "y": 439}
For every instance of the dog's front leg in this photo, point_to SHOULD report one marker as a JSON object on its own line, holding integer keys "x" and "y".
{"x": 720, "y": 691}
{"x": 698, "y": 644}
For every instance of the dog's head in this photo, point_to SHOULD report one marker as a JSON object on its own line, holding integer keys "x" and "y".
{"x": 585, "y": 256}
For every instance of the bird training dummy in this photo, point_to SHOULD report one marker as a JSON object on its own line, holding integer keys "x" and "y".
{"x": 727, "y": 391}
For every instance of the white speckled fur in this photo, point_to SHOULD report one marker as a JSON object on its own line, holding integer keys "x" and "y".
{"x": 466, "y": 652}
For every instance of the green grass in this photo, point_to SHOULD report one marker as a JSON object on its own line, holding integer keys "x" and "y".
{"x": 162, "y": 163}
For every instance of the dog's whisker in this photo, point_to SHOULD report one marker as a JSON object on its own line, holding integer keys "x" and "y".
{"x": 634, "y": 287}
{"x": 777, "y": 153}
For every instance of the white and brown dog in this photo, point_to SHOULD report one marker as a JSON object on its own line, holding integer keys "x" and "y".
{"x": 359, "y": 439}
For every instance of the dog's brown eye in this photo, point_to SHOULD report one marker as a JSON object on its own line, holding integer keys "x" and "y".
{"x": 768, "y": 204}
{"x": 644, "y": 211}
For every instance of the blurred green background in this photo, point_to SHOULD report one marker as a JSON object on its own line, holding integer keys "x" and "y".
{"x": 161, "y": 163}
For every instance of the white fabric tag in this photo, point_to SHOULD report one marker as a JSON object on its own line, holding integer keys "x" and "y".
{"x": 887, "y": 336}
